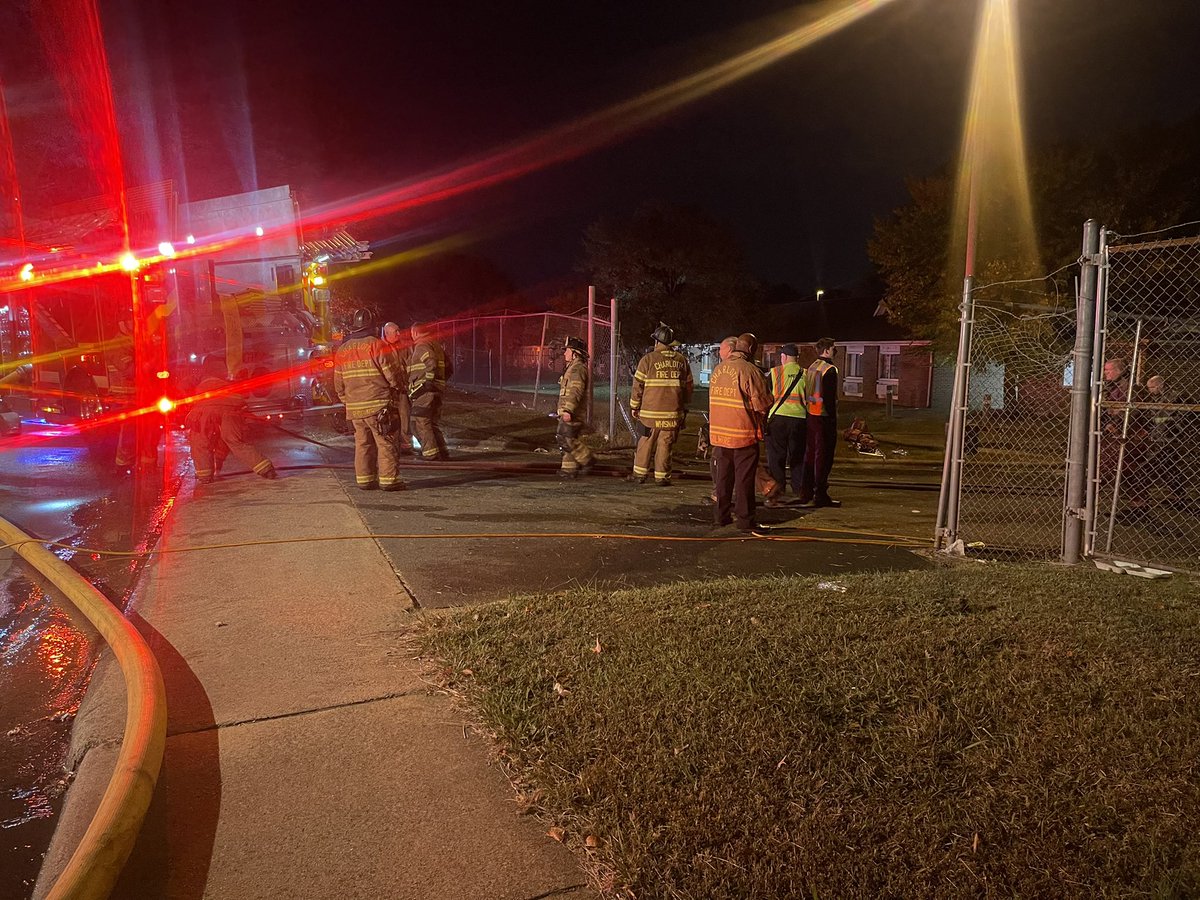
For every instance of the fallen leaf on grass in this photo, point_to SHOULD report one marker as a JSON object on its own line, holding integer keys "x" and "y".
{"x": 754, "y": 620}
{"x": 560, "y": 690}
{"x": 597, "y": 648}
{"x": 468, "y": 672}
{"x": 591, "y": 841}
{"x": 557, "y": 833}
{"x": 975, "y": 843}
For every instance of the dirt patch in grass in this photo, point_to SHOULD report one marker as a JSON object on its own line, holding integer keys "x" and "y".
{"x": 998, "y": 731}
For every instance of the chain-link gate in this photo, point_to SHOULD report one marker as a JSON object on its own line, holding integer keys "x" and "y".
{"x": 1016, "y": 427}
{"x": 1146, "y": 417}
{"x": 518, "y": 357}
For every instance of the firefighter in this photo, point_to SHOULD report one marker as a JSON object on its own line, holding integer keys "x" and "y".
{"x": 401, "y": 348}
{"x": 820, "y": 397}
{"x": 572, "y": 401}
{"x": 738, "y": 401}
{"x": 428, "y": 370}
{"x": 216, "y": 427}
{"x": 365, "y": 378}
{"x": 662, "y": 389}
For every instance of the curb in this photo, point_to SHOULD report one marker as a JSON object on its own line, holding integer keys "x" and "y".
{"x": 94, "y": 867}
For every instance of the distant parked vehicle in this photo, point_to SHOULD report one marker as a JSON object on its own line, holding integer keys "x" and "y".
{"x": 10, "y": 422}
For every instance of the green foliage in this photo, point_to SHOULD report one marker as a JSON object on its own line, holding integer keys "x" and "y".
{"x": 673, "y": 264}
{"x": 999, "y": 731}
{"x": 1135, "y": 183}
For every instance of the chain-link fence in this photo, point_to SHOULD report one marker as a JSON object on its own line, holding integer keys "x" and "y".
{"x": 519, "y": 357}
{"x": 1146, "y": 480}
{"x": 1017, "y": 419}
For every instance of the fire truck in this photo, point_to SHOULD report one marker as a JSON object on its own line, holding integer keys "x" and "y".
{"x": 229, "y": 278}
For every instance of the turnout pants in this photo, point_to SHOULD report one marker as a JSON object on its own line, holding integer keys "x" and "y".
{"x": 655, "y": 449}
{"x": 210, "y": 449}
{"x": 818, "y": 457}
{"x": 785, "y": 450}
{"x": 733, "y": 475}
{"x": 575, "y": 453}
{"x": 403, "y": 436}
{"x": 427, "y": 425}
{"x": 374, "y": 455}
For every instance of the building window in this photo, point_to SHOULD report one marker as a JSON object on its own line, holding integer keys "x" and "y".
{"x": 889, "y": 366}
{"x": 854, "y": 365}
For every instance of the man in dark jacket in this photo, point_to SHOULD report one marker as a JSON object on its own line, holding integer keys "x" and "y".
{"x": 820, "y": 396}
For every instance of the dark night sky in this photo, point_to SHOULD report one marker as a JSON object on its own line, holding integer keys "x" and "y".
{"x": 798, "y": 159}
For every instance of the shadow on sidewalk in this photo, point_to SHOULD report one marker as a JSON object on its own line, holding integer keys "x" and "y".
{"x": 174, "y": 848}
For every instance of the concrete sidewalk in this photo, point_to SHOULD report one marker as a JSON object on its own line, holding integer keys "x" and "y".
{"x": 305, "y": 756}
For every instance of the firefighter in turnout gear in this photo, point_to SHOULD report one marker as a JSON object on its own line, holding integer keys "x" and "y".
{"x": 738, "y": 401}
{"x": 572, "y": 401}
{"x": 662, "y": 389}
{"x": 401, "y": 349}
{"x": 216, "y": 427}
{"x": 365, "y": 377}
{"x": 428, "y": 370}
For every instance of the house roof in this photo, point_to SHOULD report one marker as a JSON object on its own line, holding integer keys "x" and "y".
{"x": 845, "y": 319}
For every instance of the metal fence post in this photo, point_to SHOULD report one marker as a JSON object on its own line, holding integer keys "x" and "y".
{"x": 591, "y": 348}
{"x": 612, "y": 371}
{"x": 1081, "y": 382}
{"x": 500, "y": 361}
{"x": 537, "y": 378}
{"x": 947, "y": 518}
{"x": 1097, "y": 379}
{"x": 474, "y": 352}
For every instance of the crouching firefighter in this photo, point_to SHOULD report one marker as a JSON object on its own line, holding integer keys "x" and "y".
{"x": 365, "y": 378}
{"x": 572, "y": 400}
{"x": 216, "y": 427}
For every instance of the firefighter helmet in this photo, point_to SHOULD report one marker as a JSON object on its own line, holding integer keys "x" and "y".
{"x": 663, "y": 334}
{"x": 363, "y": 318}
{"x": 577, "y": 344}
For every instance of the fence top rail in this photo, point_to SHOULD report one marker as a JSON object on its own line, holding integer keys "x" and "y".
{"x": 536, "y": 315}
{"x": 1165, "y": 244}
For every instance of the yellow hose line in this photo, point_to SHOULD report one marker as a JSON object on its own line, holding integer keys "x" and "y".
{"x": 896, "y": 541}
{"x": 93, "y": 868}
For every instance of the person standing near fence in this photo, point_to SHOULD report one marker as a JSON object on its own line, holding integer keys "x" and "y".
{"x": 820, "y": 397}
{"x": 572, "y": 401}
{"x": 738, "y": 401}
{"x": 395, "y": 338}
{"x": 428, "y": 370}
{"x": 662, "y": 389}
{"x": 365, "y": 378}
{"x": 786, "y": 427}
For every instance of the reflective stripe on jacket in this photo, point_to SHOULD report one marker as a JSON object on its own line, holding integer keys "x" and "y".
{"x": 572, "y": 388}
{"x": 427, "y": 368}
{"x": 662, "y": 389}
{"x": 781, "y": 377}
{"x": 738, "y": 399}
{"x": 814, "y": 388}
{"x": 364, "y": 376}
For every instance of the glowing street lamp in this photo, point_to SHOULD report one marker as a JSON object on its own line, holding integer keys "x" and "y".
{"x": 129, "y": 262}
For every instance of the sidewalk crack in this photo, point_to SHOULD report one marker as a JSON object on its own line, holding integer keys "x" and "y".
{"x": 216, "y": 726}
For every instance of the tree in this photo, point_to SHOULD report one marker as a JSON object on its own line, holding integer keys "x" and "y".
{"x": 1138, "y": 182}
{"x": 673, "y": 264}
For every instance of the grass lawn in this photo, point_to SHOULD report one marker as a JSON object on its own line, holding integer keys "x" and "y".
{"x": 995, "y": 731}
